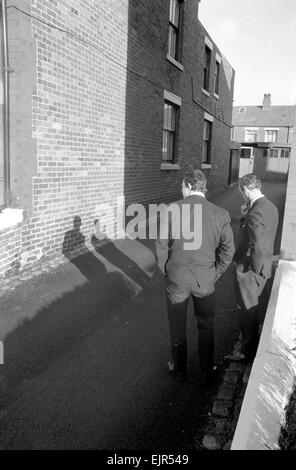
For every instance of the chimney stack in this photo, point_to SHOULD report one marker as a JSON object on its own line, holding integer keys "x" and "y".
{"x": 266, "y": 101}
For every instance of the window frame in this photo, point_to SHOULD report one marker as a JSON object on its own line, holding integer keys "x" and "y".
{"x": 251, "y": 129}
{"x": 268, "y": 130}
{"x": 243, "y": 150}
{"x": 207, "y": 68}
{"x": 217, "y": 76}
{"x": 208, "y": 120}
{"x": 175, "y": 102}
{"x": 175, "y": 28}
{"x": 206, "y": 79}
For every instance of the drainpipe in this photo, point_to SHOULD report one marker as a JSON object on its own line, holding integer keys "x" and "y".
{"x": 6, "y": 139}
{"x": 288, "y": 133}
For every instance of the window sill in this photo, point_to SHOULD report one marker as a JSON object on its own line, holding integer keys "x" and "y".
{"x": 206, "y": 166}
{"x": 216, "y": 96}
{"x": 169, "y": 166}
{"x": 10, "y": 217}
{"x": 175, "y": 62}
{"x": 205, "y": 92}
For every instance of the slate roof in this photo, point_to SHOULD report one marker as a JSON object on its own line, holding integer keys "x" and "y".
{"x": 257, "y": 116}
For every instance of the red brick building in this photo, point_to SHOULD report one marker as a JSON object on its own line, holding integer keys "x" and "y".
{"x": 106, "y": 99}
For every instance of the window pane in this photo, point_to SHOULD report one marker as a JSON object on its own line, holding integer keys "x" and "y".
{"x": 287, "y": 154}
{"x": 169, "y": 130}
{"x": 205, "y": 84}
{"x": 170, "y": 146}
{"x": 172, "y": 42}
{"x": 173, "y": 118}
{"x": 207, "y": 59}
{"x": 245, "y": 153}
{"x": 206, "y": 141}
{"x": 205, "y": 151}
{"x": 207, "y": 55}
{"x": 169, "y": 121}
{"x": 276, "y": 153}
{"x": 250, "y": 135}
{"x": 282, "y": 153}
{"x": 165, "y": 145}
{"x": 165, "y": 116}
{"x": 206, "y": 134}
{"x": 271, "y": 135}
{"x": 216, "y": 78}
{"x": 175, "y": 12}
{"x": 271, "y": 153}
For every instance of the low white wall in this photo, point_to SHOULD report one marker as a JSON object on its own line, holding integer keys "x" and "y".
{"x": 274, "y": 369}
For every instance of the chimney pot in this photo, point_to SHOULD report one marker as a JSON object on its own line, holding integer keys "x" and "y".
{"x": 266, "y": 101}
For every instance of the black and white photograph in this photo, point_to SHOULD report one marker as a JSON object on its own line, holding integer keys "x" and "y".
{"x": 148, "y": 228}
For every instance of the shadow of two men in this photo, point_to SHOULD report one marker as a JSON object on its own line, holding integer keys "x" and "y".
{"x": 75, "y": 250}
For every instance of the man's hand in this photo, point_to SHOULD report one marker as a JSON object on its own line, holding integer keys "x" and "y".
{"x": 244, "y": 209}
{"x": 217, "y": 277}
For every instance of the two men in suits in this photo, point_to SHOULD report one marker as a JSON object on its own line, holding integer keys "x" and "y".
{"x": 253, "y": 263}
{"x": 191, "y": 270}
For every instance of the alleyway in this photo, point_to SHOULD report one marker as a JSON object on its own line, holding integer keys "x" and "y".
{"x": 86, "y": 347}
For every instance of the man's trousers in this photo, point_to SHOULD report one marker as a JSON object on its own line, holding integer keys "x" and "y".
{"x": 181, "y": 285}
{"x": 251, "y": 319}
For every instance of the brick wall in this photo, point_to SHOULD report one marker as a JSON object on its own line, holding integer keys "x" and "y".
{"x": 87, "y": 111}
{"x": 147, "y": 56}
{"x": 10, "y": 249}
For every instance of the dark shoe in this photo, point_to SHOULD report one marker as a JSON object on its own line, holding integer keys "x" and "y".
{"x": 177, "y": 367}
{"x": 212, "y": 377}
{"x": 175, "y": 373}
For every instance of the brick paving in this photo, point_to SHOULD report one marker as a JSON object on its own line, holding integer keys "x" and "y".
{"x": 222, "y": 422}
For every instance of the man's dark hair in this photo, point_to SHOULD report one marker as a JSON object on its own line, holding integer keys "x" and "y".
{"x": 249, "y": 181}
{"x": 196, "y": 179}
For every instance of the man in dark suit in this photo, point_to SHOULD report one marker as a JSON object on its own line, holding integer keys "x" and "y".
{"x": 253, "y": 263}
{"x": 192, "y": 268}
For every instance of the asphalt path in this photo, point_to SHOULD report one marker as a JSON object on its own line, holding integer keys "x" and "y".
{"x": 86, "y": 351}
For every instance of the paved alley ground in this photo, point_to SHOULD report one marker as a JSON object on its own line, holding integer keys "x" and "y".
{"x": 86, "y": 348}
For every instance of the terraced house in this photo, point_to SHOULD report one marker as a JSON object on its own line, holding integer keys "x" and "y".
{"x": 265, "y": 134}
{"x": 101, "y": 100}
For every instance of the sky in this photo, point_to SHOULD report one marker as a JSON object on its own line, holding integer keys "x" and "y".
{"x": 258, "y": 38}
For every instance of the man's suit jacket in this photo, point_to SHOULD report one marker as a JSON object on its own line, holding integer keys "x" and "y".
{"x": 256, "y": 237}
{"x": 216, "y": 249}
{"x": 253, "y": 256}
